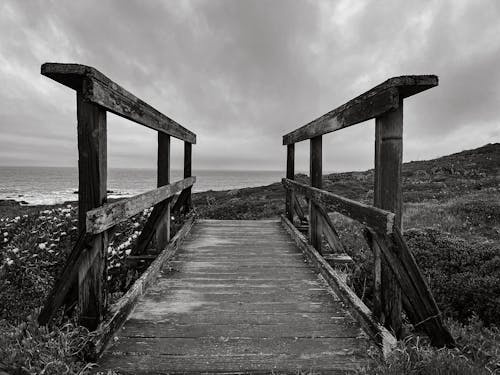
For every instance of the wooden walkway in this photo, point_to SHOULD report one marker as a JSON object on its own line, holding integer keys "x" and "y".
{"x": 238, "y": 297}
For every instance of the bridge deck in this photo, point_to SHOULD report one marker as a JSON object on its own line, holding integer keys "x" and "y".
{"x": 238, "y": 297}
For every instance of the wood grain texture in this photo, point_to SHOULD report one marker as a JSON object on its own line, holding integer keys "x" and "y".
{"x": 380, "y": 220}
{"x": 420, "y": 303}
{"x": 108, "y": 215}
{"x": 162, "y": 232}
{"x": 99, "y": 89}
{"x": 238, "y": 297}
{"x": 188, "y": 161}
{"x": 92, "y": 189}
{"x": 376, "y": 331}
{"x": 290, "y": 174}
{"x": 120, "y": 310}
{"x": 388, "y": 195}
{"x": 373, "y": 103}
{"x": 315, "y": 176}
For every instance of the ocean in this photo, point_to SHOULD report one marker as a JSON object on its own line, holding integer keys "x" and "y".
{"x": 50, "y": 185}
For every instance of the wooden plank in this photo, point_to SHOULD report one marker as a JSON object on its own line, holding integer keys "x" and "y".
{"x": 388, "y": 196}
{"x": 329, "y": 231}
{"x": 238, "y": 364}
{"x": 135, "y": 328}
{"x": 108, "y": 215}
{"x": 99, "y": 89}
{"x": 377, "y": 332}
{"x": 148, "y": 230}
{"x": 298, "y": 209}
{"x": 423, "y": 309}
{"x": 380, "y": 220}
{"x": 64, "y": 283}
{"x": 290, "y": 174}
{"x": 207, "y": 346}
{"x": 92, "y": 188}
{"x": 162, "y": 232}
{"x": 121, "y": 309}
{"x": 187, "y": 173}
{"x": 371, "y": 104}
{"x": 315, "y": 176}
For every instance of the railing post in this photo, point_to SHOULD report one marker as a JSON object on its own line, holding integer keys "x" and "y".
{"x": 162, "y": 235}
{"x": 316, "y": 174}
{"x": 388, "y": 195}
{"x": 92, "y": 184}
{"x": 187, "y": 171}
{"x": 290, "y": 174}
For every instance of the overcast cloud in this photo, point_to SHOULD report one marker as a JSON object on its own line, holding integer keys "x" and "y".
{"x": 241, "y": 74}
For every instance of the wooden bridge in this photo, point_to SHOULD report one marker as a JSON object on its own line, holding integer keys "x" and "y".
{"x": 241, "y": 296}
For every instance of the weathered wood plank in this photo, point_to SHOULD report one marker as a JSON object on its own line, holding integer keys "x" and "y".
{"x": 315, "y": 176}
{"x": 388, "y": 195}
{"x": 423, "y": 309}
{"x": 121, "y": 309}
{"x": 371, "y": 104}
{"x": 188, "y": 150}
{"x": 92, "y": 189}
{"x": 380, "y": 220}
{"x": 290, "y": 174}
{"x": 99, "y": 89}
{"x": 64, "y": 283}
{"x": 376, "y": 331}
{"x": 108, "y": 215}
{"x": 329, "y": 231}
{"x": 217, "y": 304}
{"x": 305, "y": 329}
{"x": 238, "y": 364}
{"x": 162, "y": 232}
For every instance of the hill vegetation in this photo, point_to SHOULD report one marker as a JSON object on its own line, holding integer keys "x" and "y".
{"x": 451, "y": 223}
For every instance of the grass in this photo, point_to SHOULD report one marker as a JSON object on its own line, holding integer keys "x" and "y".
{"x": 452, "y": 225}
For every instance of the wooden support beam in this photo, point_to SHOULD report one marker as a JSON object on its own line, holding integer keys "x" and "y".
{"x": 371, "y": 104}
{"x": 149, "y": 228}
{"x": 162, "y": 233}
{"x": 92, "y": 188}
{"x": 68, "y": 278}
{"x": 335, "y": 280}
{"x": 388, "y": 196}
{"x": 298, "y": 208}
{"x": 316, "y": 176}
{"x": 111, "y": 214}
{"x": 188, "y": 147}
{"x": 422, "y": 308}
{"x": 331, "y": 235}
{"x": 290, "y": 174}
{"x": 96, "y": 88}
{"x": 379, "y": 220}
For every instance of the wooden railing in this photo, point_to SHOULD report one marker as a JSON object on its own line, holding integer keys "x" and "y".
{"x": 395, "y": 269}
{"x": 84, "y": 276}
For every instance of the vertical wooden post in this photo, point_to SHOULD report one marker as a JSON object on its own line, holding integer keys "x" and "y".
{"x": 92, "y": 185}
{"x": 290, "y": 174}
{"x": 187, "y": 171}
{"x": 162, "y": 235}
{"x": 316, "y": 174}
{"x": 388, "y": 195}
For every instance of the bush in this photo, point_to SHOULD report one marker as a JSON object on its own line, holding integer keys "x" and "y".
{"x": 463, "y": 275}
{"x": 31, "y": 349}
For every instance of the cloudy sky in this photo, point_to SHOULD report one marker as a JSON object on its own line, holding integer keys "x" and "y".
{"x": 241, "y": 74}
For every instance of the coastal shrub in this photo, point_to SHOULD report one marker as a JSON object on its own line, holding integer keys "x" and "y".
{"x": 477, "y": 353}
{"x": 464, "y": 275}
{"x": 27, "y": 348}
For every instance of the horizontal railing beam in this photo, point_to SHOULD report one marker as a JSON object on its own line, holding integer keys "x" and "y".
{"x": 95, "y": 87}
{"x": 108, "y": 215}
{"x": 379, "y": 220}
{"x": 371, "y": 104}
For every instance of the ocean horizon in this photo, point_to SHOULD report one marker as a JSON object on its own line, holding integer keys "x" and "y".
{"x": 53, "y": 185}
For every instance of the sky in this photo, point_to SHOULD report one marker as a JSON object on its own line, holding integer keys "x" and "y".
{"x": 241, "y": 74}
